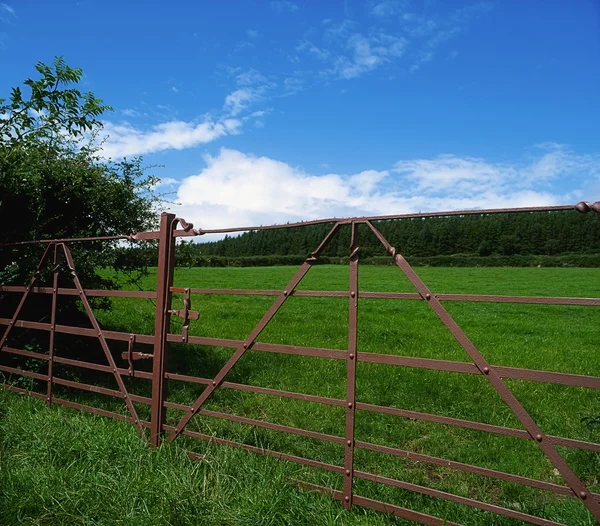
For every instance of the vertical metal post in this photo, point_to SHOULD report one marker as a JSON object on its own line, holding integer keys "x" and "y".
{"x": 164, "y": 281}
{"x": 52, "y": 329}
{"x": 351, "y": 378}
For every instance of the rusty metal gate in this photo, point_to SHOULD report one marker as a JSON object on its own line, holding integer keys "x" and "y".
{"x": 159, "y": 430}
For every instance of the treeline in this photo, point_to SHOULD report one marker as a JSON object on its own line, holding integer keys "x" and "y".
{"x": 527, "y": 239}
{"x": 539, "y": 233}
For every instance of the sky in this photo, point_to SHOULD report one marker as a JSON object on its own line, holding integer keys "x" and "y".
{"x": 260, "y": 112}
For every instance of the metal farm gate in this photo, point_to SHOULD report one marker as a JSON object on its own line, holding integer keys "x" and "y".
{"x": 58, "y": 249}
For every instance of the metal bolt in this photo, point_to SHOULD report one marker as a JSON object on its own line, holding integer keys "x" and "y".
{"x": 114, "y": 370}
{"x": 214, "y": 383}
{"x": 348, "y": 472}
{"x": 486, "y": 370}
{"x": 137, "y": 421}
{"x": 183, "y": 338}
{"x": 350, "y": 405}
{"x": 538, "y": 437}
{"x": 48, "y": 399}
{"x": 53, "y": 290}
{"x": 353, "y": 294}
{"x": 285, "y": 292}
{"x": 583, "y": 494}
{"x": 245, "y": 345}
{"x": 351, "y": 356}
{"x": 80, "y": 292}
{"x": 427, "y": 296}
{"x": 346, "y": 498}
{"x": 583, "y": 207}
{"x": 349, "y": 442}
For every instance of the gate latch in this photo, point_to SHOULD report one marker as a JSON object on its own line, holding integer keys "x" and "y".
{"x": 186, "y": 313}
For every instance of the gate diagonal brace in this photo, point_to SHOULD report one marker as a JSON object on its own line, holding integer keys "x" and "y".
{"x": 102, "y": 340}
{"x": 33, "y": 279}
{"x": 249, "y": 341}
{"x": 579, "y": 489}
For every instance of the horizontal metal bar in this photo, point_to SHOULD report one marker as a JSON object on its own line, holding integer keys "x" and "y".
{"x": 88, "y": 292}
{"x": 103, "y": 368}
{"x": 22, "y": 391}
{"x": 22, "y": 372}
{"x": 97, "y": 411}
{"x": 87, "y": 387}
{"x": 498, "y": 510}
{"x": 477, "y": 426}
{"x": 535, "y": 300}
{"x": 576, "y": 380}
{"x": 515, "y": 373}
{"x": 285, "y": 394}
{"x": 254, "y": 449}
{"x": 74, "y": 405}
{"x": 82, "y": 331}
{"x": 28, "y": 354}
{"x": 420, "y": 363}
{"x": 486, "y": 211}
{"x": 460, "y": 466}
{"x": 269, "y": 425}
{"x": 398, "y": 511}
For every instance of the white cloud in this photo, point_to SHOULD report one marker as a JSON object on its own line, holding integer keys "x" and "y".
{"x": 386, "y": 8}
{"x": 236, "y": 189}
{"x": 238, "y": 100}
{"x": 7, "y": 9}
{"x": 121, "y": 140}
{"x": 281, "y": 6}
{"x": 252, "y": 88}
{"x": 367, "y": 54}
{"x": 401, "y": 29}
{"x": 252, "y": 33}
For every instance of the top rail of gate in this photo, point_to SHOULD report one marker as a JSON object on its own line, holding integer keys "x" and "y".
{"x": 188, "y": 229}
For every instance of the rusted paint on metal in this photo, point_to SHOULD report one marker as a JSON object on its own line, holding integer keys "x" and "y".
{"x": 162, "y": 323}
{"x": 351, "y": 360}
{"x": 52, "y": 328}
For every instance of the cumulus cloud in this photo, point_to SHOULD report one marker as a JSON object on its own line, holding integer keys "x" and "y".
{"x": 122, "y": 140}
{"x": 236, "y": 188}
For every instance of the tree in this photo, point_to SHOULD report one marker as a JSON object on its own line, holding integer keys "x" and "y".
{"x": 54, "y": 182}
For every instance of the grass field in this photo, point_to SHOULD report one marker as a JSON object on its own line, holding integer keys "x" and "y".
{"x": 63, "y": 467}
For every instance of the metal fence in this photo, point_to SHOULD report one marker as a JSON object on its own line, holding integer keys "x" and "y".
{"x": 159, "y": 430}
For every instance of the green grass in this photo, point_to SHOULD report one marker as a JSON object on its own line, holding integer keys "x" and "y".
{"x": 63, "y": 467}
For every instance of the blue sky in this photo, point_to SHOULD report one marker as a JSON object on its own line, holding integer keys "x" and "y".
{"x": 269, "y": 111}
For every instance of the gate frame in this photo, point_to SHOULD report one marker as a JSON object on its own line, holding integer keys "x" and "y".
{"x": 166, "y": 237}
